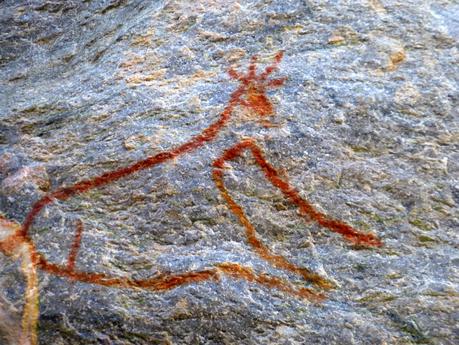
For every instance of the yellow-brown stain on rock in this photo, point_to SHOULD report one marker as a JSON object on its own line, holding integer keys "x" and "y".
{"x": 387, "y": 54}
{"x": 396, "y": 58}
{"x": 407, "y": 95}
{"x": 134, "y": 141}
{"x": 194, "y": 78}
{"x": 234, "y": 55}
{"x": 133, "y": 60}
{"x": 377, "y": 6}
{"x": 212, "y": 36}
{"x": 336, "y": 40}
{"x": 344, "y": 35}
{"x": 141, "y": 79}
{"x": 144, "y": 40}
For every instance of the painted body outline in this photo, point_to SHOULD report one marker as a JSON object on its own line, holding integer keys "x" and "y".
{"x": 19, "y": 243}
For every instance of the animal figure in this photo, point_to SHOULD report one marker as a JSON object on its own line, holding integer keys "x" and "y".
{"x": 15, "y": 240}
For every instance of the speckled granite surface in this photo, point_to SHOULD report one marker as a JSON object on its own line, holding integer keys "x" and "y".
{"x": 365, "y": 127}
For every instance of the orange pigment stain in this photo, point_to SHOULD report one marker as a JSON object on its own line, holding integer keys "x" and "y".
{"x": 258, "y": 101}
{"x": 276, "y": 260}
{"x": 251, "y": 93}
{"x": 240, "y": 272}
{"x": 75, "y": 246}
{"x": 272, "y": 175}
{"x": 12, "y": 243}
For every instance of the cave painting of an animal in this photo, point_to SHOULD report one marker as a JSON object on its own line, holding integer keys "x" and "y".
{"x": 15, "y": 240}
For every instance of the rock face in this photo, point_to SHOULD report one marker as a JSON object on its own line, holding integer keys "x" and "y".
{"x": 359, "y": 117}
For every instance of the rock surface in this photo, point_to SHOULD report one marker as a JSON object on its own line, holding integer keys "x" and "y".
{"x": 365, "y": 127}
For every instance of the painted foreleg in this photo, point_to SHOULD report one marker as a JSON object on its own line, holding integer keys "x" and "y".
{"x": 306, "y": 209}
{"x": 263, "y": 251}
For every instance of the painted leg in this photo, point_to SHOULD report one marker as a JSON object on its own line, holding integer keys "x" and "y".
{"x": 306, "y": 209}
{"x": 276, "y": 260}
{"x": 164, "y": 282}
{"x": 237, "y": 271}
{"x": 75, "y": 246}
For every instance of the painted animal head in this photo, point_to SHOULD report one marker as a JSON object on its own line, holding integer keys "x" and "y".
{"x": 255, "y": 86}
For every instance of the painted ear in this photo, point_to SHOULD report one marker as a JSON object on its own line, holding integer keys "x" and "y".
{"x": 273, "y": 67}
{"x": 277, "y": 82}
{"x": 278, "y": 57}
{"x": 253, "y": 67}
{"x": 234, "y": 74}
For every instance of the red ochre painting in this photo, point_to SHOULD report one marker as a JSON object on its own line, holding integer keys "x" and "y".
{"x": 15, "y": 240}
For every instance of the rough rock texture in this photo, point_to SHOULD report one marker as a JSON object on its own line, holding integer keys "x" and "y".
{"x": 365, "y": 127}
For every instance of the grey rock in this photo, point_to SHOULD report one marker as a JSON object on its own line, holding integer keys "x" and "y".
{"x": 365, "y": 127}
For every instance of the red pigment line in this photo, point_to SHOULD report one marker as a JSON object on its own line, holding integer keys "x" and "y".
{"x": 276, "y": 260}
{"x": 75, "y": 246}
{"x": 305, "y": 207}
{"x": 168, "y": 281}
{"x": 165, "y": 282}
{"x": 239, "y": 272}
{"x": 256, "y": 100}
{"x": 270, "y": 69}
{"x": 255, "y": 89}
{"x": 252, "y": 67}
{"x": 278, "y": 57}
{"x": 207, "y": 135}
{"x": 159, "y": 283}
{"x": 233, "y": 74}
{"x": 10, "y": 243}
{"x": 276, "y": 82}
{"x": 339, "y": 227}
{"x": 66, "y": 192}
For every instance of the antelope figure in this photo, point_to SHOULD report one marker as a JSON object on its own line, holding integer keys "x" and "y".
{"x": 16, "y": 242}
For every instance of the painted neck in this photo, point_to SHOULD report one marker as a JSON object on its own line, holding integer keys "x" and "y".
{"x": 199, "y": 140}
{"x": 210, "y": 133}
